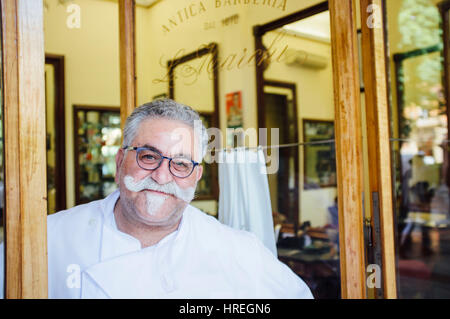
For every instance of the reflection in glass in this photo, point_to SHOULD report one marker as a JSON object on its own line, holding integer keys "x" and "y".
{"x": 319, "y": 159}
{"x": 420, "y": 149}
{"x": 298, "y": 99}
{"x": 197, "y": 72}
{"x": 86, "y": 41}
{"x": 98, "y": 137}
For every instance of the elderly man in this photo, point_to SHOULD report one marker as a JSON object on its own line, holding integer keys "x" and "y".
{"x": 146, "y": 241}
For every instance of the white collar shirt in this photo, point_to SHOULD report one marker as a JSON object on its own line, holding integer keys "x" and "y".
{"x": 90, "y": 258}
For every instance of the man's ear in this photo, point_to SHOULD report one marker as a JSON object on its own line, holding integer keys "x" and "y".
{"x": 119, "y": 159}
{"x": 199, "y": 172}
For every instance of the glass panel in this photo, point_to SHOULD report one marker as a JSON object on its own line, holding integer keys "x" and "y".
{"x": 297, "y": 86}
{"x": 98, "y": 140}
{"x": 196, "y": 74}
{"x": 304, "y": 191}
{"x": 81, "y": 41}
{"x": 420, "y": 148}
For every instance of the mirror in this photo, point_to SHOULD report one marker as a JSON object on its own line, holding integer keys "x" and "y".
{"x": 198, "y": 72}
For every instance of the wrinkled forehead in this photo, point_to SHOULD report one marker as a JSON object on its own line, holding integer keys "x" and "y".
{"x": 170, "y": 137}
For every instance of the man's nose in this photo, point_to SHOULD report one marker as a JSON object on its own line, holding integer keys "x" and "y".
{"x": 162, "y": 174}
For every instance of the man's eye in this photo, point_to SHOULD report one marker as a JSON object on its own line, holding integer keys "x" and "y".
{"x": 181, "y": 164}
{"x": 148, "y": 157}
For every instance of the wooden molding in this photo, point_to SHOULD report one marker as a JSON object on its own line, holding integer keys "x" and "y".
{"x": 378, "y": 140}
{"x": 25, "y": 156}
{"x": 349, "y": 163}
{"x": 127, "y": 43}
{"x": 57, "y": 61}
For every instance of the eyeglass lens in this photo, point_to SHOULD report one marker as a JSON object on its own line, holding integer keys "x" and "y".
{"x": 179, "y": 166}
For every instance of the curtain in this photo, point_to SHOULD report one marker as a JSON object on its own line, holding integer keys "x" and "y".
{"x": 244, "y": 199}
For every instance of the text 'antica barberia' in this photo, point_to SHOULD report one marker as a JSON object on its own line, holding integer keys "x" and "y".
{"x": 198, "y": 8}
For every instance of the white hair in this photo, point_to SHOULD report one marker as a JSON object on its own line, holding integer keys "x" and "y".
{"x": 166, "y": 109}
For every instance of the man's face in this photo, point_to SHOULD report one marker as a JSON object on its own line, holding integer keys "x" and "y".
{"x": 156, "y": 207}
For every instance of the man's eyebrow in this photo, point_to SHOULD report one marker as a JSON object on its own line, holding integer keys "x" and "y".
{"x": 152, "y": 148}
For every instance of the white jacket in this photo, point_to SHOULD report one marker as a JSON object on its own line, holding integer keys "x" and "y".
{"x": 88, "y": 257}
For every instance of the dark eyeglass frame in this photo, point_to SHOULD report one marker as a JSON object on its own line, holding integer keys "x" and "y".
{"x": 139, "y": 149}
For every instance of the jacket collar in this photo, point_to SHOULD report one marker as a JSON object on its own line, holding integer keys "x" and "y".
{"x": 125, "y": 270}
{"x": 116, "y": 243}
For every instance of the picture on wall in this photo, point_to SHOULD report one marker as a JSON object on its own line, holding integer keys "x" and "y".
{"x": 234, "y": 109}
{"x": 319, "y": 159}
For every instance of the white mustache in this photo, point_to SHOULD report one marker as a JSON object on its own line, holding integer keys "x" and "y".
{"x": 170, "y": 188}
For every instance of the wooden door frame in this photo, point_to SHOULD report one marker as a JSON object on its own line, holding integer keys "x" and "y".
{"x": 127, "y": 56}
{"x": 375, "y": 66}
{"x": 349, "y": 162}
{"x": 57, "y": 61}
{"x": 25, "y": 151}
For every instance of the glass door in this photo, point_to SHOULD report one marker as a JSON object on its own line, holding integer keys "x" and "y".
{"x": 304, "y": 190}
{"x": 321, "y": 175}
{"x": 418, "y": 41}
{"x": 211, "y": 53}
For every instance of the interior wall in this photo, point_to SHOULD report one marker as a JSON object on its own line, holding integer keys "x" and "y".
{"x": 91, "y": 55}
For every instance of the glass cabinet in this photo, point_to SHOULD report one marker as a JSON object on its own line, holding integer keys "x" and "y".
{"x": 97, "y": 140}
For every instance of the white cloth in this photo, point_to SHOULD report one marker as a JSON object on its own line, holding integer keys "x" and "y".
{"x": 202, "y": 259}
{"x": 244, "y": 199}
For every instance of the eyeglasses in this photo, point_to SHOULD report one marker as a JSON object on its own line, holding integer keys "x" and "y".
{"x": 151, "y": 160}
